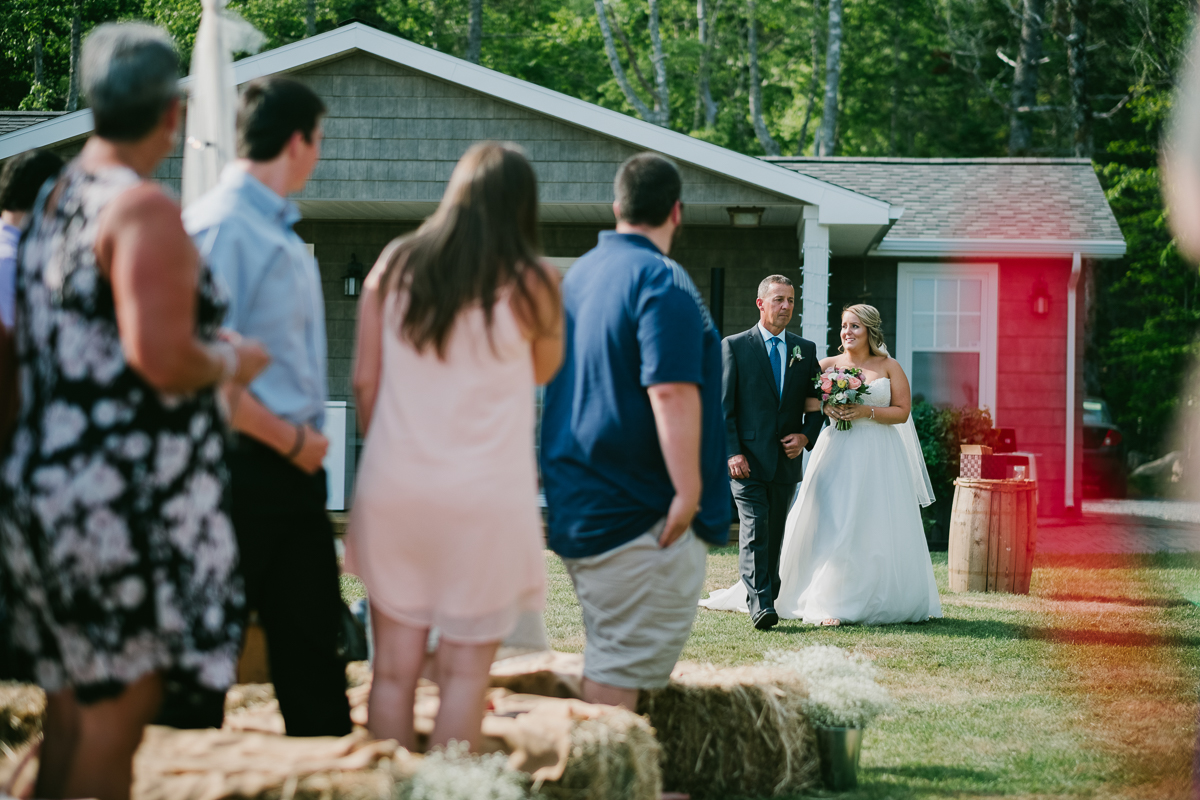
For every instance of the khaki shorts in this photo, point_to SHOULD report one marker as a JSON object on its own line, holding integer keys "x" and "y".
{"x": 639, "y": 603}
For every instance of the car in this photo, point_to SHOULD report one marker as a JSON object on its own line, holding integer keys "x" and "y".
{"x": 1104, "y": 470}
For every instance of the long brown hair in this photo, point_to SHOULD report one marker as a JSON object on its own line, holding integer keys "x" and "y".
{"x": 482, "y": 238}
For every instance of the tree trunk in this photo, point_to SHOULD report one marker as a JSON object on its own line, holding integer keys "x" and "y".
{"x": 704, "y": 100}
{"x": 1081, "y": 109}
{"x": 658, "y": 115}
{"x": 814, "y": 54}
{"x": 310, "y": 17}
{"x": 475, "y": 31}
{"x": 39, "y": 76}
{"x": 1025, "y": 78}
{"x": 769, "y": 145}
{"x": 897, "y": 90}
{"x": 833, "y": 72}
{"x": 73, "y": 79}
{"x": 662, "y": 92}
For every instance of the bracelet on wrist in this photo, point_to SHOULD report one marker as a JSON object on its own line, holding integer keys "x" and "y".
{"x": 229, "y": 360}
{"x": 298, "y": 445}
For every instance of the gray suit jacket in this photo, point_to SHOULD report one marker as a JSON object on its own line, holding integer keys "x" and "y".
{"x": 756, "y": 416}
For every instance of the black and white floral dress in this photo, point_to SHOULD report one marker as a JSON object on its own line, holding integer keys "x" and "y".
{"x": 119, "y": 555}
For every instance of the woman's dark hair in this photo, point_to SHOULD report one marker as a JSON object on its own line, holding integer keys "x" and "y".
{"x": 647, "y": 187}
{"x": 482, "y": 238}
{"x": 23, "y": 176}
{"x": 270, "y": 111}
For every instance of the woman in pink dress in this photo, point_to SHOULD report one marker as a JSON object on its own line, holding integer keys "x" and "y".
{"x": 456, "y": 325}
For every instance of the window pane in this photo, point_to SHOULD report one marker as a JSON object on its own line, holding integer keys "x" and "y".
{"x": 946, "y": 379}
{"x": 970, "y": 330}
{"x": 947, "y": 335}
{"x": 947, "y": 295}
{"x": 970, "y": 294}
{"x": 923, "y": 289}
{"x": 923, "y": 330}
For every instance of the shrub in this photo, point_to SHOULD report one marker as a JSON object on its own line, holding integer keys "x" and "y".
{"x": 942, "y": 431}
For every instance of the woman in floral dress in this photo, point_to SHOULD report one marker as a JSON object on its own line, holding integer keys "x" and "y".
{"x": 120, "y": 560}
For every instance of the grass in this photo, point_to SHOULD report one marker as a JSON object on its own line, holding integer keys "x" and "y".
{"x": 1084, "y": 688}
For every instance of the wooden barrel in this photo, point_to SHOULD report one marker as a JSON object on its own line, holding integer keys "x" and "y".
{"x": 993, "y": 533}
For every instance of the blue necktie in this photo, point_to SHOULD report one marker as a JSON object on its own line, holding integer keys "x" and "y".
{"x": 776, "y": 363}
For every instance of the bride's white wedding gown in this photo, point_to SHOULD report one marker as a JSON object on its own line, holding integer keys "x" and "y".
{"x": 854, "y": 548}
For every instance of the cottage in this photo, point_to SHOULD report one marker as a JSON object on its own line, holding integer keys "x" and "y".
{"x": 975, "y": 264}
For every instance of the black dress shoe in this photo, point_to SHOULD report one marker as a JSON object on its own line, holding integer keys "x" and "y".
{"x": 766, "y": 619}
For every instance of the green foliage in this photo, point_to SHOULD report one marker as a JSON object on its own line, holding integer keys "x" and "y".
{"x": 918, "y": 79}
{"x": 942, "y": 432}
{"x": 1147, "y": 310}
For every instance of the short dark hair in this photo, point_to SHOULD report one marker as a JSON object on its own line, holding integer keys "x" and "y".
{"x": 270, "y": 111}
{"x": 647, "y": 187}
{"x": 23, "y": 176}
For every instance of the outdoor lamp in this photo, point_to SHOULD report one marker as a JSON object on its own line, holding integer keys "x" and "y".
{"x": 352, "y": 279}
{"x": 745, "y": 216}
{"x": 1040, "y": 299}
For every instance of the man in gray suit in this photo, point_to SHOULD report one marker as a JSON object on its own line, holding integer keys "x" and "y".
{"x": 768, "y": 376}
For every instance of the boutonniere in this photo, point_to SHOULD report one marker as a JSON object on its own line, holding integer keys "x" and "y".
{"x": 796, "y": 355}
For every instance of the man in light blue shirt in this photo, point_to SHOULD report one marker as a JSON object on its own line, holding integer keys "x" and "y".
{"x": 243, "y": 229}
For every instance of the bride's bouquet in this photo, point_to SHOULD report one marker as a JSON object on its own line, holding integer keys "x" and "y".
{"x": 841, "y": 386}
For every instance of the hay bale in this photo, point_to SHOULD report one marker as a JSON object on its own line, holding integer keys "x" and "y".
{"x": 544, "y": 673}
{"x": 222, "y": 765}
{"x": 614, "y": 756}
{"x": 733, "y": 732}
{"x": 21, "y": 708}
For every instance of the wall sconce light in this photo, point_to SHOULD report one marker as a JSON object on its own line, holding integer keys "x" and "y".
{"x": 1039, "y": 301}
{"x": 745, "y": 216}
{"x": 352, "y": 278}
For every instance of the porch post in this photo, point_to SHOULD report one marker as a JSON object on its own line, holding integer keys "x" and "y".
{"x": 1072, "y": 292}
{"x": 814, "y": 253}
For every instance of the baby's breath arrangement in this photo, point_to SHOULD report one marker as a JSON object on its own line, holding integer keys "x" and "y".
{"x": 842, "y": 691}
{"x": 455, "y": 774}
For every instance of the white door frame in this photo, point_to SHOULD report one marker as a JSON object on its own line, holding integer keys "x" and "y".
{"x": 990, "y": 273}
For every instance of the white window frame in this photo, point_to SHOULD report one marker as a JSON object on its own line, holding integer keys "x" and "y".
{"x": 990, "y": 273}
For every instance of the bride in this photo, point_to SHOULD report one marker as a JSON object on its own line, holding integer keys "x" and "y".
{"x": 854, "y": 548}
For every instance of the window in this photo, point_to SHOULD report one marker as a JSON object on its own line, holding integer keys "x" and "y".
{"x": 946, "y": 334}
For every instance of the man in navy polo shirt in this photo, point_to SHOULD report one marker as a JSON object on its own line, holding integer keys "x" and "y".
{"x": 633, "y": 454}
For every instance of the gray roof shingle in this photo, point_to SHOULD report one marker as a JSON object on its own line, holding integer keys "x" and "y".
{"x": 1026, "y": 199}
{"x": 15, "y": 120}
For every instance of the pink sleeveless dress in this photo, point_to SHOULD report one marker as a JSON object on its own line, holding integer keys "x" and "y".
{"x": 444, "y": 529}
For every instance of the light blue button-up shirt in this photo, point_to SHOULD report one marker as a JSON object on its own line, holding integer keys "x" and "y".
{"x": 782, "y": 337}
{"x": 244, "y": 232}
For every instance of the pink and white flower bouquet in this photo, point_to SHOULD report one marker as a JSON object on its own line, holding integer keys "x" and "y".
{"x": 841, "y": 386}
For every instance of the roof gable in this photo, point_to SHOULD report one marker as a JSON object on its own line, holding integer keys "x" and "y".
{"x": 1018, "y": 205}
{"x": 836, "y": 205}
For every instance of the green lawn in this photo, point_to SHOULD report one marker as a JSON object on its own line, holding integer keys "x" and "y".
{"x": 1085, "y": 688}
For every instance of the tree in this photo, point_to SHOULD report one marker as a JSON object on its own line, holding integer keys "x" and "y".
{"x": 1025, "y": 77}
{"x": 704, "y": 100}
{"x": 475, "y": 31}
{"x": 769, "y": 145}
{"x": 833, "y": 71}
{"x": 73, "y": 79}
{"x": 660, "y": 114}
{"x": 1081, "y": 108}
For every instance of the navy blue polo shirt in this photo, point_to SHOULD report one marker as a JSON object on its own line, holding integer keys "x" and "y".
{"x": 633, "y": 319}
